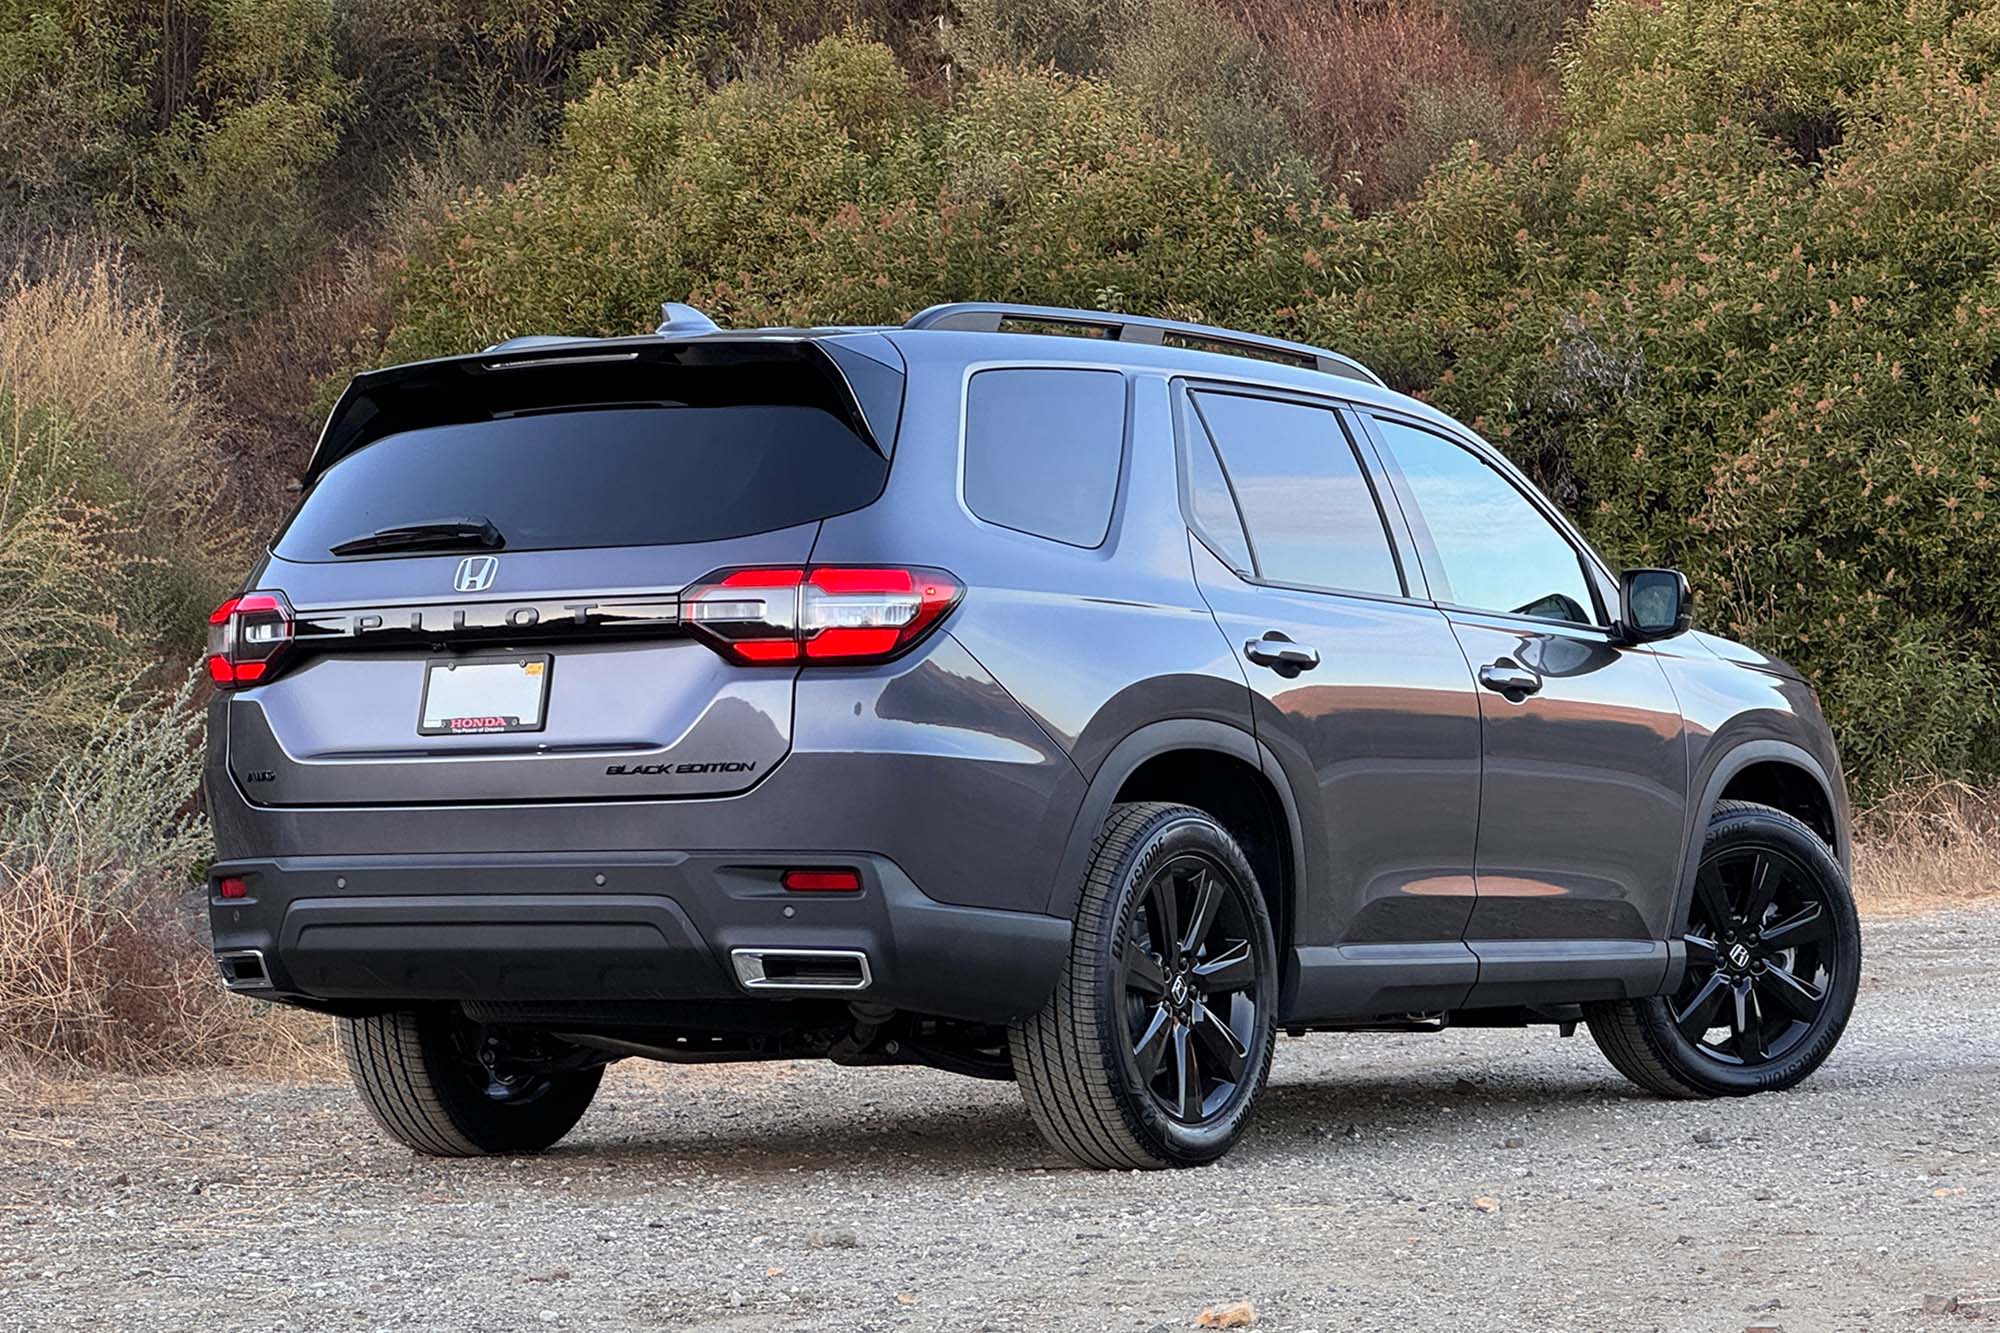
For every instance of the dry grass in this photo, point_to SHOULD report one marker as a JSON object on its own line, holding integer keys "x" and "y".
{"x": 79, "y": 341}
{"x": 1930, "y": 846}
{"x": 86, "y": 984}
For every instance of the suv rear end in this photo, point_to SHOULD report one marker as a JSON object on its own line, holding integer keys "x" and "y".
{"x": 545, "y": 706}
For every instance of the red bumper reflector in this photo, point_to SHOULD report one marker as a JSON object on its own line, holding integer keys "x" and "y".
{"x": 822, "y": 881}
{"x": 232, "y": 887}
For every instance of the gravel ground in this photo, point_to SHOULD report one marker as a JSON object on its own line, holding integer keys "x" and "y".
{"x": 1377, "y": 1190}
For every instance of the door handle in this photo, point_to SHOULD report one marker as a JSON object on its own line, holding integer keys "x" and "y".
{"x": 1509, "y": 678}
{"x": 1280, "y": 654}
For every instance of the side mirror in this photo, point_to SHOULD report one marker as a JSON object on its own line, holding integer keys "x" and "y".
{"x": 1654, "y": 604}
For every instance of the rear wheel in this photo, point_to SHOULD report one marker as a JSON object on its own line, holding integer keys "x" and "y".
{"x": 1773, "y": 963}
{"x": 439, "y": 1083}
{"x": 1158, "y": 1038}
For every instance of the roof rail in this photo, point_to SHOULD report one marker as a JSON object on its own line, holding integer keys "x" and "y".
{"x": 997, "y": 316}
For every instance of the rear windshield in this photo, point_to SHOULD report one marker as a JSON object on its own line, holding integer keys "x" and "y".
{"x": 613, "y": 476}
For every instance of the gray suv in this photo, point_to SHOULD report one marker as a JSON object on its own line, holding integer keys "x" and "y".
{"x": 1035, "y": 694}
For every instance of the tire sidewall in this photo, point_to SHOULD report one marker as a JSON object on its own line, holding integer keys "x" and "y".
{"x": 1173, "y": 834}
{"x": 1773, "y": 830}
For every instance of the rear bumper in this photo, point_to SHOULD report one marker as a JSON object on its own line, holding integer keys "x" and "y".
{"x": 369, "y": 930}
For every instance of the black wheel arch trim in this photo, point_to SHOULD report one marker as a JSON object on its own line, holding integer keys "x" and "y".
{"x": 1717, "y": 772}
{"x": 1150, "y": 741}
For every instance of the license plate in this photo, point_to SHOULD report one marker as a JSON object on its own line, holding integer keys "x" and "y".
{"x": 479, "y": 696}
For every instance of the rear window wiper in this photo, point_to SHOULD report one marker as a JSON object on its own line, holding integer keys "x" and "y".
{"x": 439, "y": 534}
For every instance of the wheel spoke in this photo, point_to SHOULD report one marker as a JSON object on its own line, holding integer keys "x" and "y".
{"x": 1187, "y": 1077}
{"x": 1747, "y": 1021}
{"x": 1809, "y": 925}
{"x": 1143, "y": 973}
{"x": 1219, "y": 1043}
{"x": 1764, "y": 877}
{"x": 1701, "y": 951}
{"x": 1228, "y": 969}
{"x": 1207, "y": 897}
{"x": 1166, "y": 915}
{"x": 1701, "y": 1011}
{"x": 1152, "y": 1044}
{"x": 1714, "y": 899}
{"x": 1800, "y": 999}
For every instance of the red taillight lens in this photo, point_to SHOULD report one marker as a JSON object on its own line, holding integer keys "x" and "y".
{"x": 245, "y": 636}
{"x": 827, "y": 614}
{"x": 232, "y": 886}
{"x": 822, "y": 881}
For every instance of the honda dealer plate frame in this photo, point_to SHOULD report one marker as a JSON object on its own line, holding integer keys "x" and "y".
{"x": 485, "y": 696}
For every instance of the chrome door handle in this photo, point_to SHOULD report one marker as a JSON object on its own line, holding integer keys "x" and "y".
{"x": 1281, "y": 654}
{"x": 1509, "y": 678}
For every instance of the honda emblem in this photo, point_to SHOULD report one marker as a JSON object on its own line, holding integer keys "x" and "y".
{"x": 475, "y": 573}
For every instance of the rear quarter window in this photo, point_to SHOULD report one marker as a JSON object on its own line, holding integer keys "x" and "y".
{"x": 1043, "y": 450}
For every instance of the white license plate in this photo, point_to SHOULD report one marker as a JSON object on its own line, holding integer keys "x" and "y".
{"x": 476, "y": 696}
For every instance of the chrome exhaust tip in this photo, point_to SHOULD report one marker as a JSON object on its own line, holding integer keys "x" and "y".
{"x": 801, "y": 969}
{"x": 243, "y": 969}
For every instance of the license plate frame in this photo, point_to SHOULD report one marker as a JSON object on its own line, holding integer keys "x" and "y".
{"x": 466, "y": 676}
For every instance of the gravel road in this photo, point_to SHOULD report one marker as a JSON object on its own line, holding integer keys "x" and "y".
{"x": 803, "y": 1196}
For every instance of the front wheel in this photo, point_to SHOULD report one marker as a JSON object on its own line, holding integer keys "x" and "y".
{"x": 1773, "y": 963}
{"x": 1158, "y": 1038}
{"x": 447, "y": 1087}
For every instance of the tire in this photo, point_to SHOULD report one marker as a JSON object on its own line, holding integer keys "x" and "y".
{"x": 417, "y": 1076}
{"x": 1078, "y": 1061}
{"x": 1666, "y": 1044}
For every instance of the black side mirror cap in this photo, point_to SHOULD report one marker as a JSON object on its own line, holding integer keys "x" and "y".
{"x": 1654, "y": 604}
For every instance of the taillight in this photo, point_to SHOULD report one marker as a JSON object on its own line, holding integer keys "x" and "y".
{"x": 829, "y": 613}
{"x": 245, "y": 636}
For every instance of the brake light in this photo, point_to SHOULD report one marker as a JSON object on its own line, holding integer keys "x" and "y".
{"x": 245, "y": 636}
{"x": 835, "y": 614}
{"x": 232, "y": 886}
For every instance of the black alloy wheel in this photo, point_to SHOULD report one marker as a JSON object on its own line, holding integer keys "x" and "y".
{"x": 1190, "y": 980}
{"x": 1772, "y": 951}
{"x": 1760, "y": 962}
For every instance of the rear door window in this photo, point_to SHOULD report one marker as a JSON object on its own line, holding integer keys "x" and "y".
{"x": 1309, "y": 510}
{"x": 1043, "y": 450}
{"x": 628, "y": 475}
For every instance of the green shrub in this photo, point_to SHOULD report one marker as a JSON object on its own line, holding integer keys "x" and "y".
{"x": 1074, "y": 36}
{"x": 1204, "y": 81}
{"x": 1739, "y": 314}
{"x": 833, "y": 192}
{"x": 1777, "y": 372}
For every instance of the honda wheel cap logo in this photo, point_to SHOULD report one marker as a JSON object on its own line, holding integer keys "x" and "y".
{"x": 475, "y": 573}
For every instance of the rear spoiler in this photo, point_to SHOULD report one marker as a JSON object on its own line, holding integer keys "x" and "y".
{"x": 856, "y": 376}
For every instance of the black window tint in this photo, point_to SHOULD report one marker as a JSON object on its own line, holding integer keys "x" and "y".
{"x": 1209, "y": 502}
{"x": 1311, "y": 514}
{"x": 606, "y": 477}
{"x": 1497, "y": 550}
{"x": 1042, "y": 449}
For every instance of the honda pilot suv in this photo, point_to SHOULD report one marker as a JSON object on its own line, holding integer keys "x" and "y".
{"x": 1035, "y": 694}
